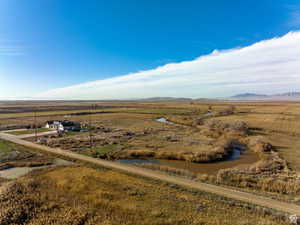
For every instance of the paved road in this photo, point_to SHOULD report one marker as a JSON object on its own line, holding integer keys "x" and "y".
{"x": 222, "y": 191}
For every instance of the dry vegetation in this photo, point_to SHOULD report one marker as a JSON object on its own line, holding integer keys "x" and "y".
{"x": 140, "y": 136}
{"x": 12, "y": 155}
{"x": 270, "y": 173}
{"x": 80, "y": 195}
{"x": 201, "y": 132}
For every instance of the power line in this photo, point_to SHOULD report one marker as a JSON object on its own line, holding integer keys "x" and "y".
{"x": 90, "y": 129}
{"x": 35, "y": 125}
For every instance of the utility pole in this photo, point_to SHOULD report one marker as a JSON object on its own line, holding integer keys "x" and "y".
{"x": 35, "y": 126}
{"x": 90, "y": 129}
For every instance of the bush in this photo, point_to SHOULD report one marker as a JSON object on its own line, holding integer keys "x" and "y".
{"x": 228, "y": 111}
{"x": 215, "y": 128}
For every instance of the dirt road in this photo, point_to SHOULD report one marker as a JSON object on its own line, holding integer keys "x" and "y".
{"x": 38, "y": 134}
{"x": 222, "y": 191}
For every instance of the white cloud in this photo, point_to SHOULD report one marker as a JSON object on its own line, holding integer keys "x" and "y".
{"x": 269, "y": 66}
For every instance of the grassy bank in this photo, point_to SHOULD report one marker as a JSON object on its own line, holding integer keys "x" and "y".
{"x": 29, "y": 131}
{"x": 13, "y": 155}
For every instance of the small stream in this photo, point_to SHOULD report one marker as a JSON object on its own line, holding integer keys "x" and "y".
{"x": 236, "y": 154}
{"x": 237, "y": 157}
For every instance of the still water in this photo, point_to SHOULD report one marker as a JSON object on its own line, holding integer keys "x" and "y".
{"x": 212, "y": 168}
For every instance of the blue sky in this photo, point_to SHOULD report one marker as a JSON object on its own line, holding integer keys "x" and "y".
{"x": 52, "y": 44}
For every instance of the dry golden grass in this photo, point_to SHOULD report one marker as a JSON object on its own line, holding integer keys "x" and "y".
{"x": 270, "y": 173}
{"x": 279, "y": 122}
{"x": 80, "y": 195}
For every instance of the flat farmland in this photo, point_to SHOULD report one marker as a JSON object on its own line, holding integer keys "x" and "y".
{"x": 279, "y": 122}
{"x": 248, "y": 145}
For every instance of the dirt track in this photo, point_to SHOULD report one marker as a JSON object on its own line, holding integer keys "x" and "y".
{"x": 226, "y": 192}
{"x": 38, "y": 134}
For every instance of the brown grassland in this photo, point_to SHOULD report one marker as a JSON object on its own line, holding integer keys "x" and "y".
{"x": 202, "y": 132}
{"x": 82, "y": 195}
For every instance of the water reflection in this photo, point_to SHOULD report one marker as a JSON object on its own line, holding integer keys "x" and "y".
{"x": 235, "y": 159}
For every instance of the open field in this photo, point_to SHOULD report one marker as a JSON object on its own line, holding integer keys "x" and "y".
{"x": 264, "y": 133}
{"x": 195, "y": 142}
{"x": 276, "y": 120}
{"x": 194, "y": 184}
{"x": 80, "y": 195}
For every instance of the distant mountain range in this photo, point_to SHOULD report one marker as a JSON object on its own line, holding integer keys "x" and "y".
{"x": 249, "y": 95}
{"x": 288, "y": 96}
{"x": 156, "y": 99}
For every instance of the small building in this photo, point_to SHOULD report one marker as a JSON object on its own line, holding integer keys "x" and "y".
{"x": 63, "y": 125}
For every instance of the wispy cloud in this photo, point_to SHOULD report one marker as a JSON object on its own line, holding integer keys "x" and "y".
{"x": 10, "y": 50}
{"x": 268, "y": 66}
{"x": 10, "y": 47}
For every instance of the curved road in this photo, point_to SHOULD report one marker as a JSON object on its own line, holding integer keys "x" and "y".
{"x": 222, "y": 191}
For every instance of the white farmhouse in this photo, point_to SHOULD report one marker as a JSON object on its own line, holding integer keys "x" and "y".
{"x": 62, "y": 125}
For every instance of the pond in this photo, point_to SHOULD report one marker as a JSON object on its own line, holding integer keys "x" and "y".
{"x": 16, "y": 172}
{"x": 163, "y": 120}
{"x": 212, "y": 168}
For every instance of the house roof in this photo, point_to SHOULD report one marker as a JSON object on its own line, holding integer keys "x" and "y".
{"x": 65, "y": 123}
